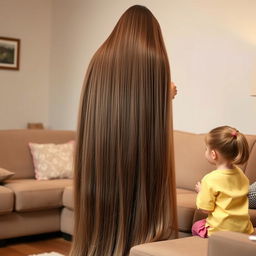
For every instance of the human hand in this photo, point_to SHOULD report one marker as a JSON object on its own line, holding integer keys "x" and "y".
{"x": 173, "y": 90}
{"x": 198, "y": 187}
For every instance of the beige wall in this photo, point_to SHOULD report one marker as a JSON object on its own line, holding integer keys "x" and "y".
{"x": 211, "y": 44}
{"x": 24, "y": 94}
{"x": 212, "y": 48}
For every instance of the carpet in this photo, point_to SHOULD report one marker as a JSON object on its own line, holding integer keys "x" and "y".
{"x": 47, "y": 254}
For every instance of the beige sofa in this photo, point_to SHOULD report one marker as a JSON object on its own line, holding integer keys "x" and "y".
{"x": 29, "y": 206}
{"x": 191, "y": 166}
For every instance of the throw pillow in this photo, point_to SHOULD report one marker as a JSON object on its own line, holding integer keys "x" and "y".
{"x": 4, "y": 174}
{"x": 252, "y": 196}
{"x": 52, "y": 161}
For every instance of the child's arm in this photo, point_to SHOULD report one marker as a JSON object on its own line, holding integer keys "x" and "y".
{"x": 206, "y": 196}
{"x": 198, "y": 187}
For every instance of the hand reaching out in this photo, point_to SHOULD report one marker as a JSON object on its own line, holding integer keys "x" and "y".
{"x": 198, "y": 187}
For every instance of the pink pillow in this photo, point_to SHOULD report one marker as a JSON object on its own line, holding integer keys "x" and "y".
{"x": 53, "y": 161}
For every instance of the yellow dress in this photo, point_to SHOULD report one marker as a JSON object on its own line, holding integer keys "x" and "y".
{"x": 224, "y": 194}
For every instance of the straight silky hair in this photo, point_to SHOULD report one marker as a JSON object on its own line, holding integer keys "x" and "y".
{"x": 230, "y": 143}
{"x": 124, "y": 174}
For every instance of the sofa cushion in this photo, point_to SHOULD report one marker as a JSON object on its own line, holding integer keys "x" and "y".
{"x": 7, "y": 200}
{"x": 192, "y": 246}
{"x": 27, "y": 224}
{"x": 186, "y": 206}
{"x": 14, "y": 150}
{"x": 225, "y": 243}
{"x": 33, "y": 195}
{"x": 68, "y": 197}
{"x": 67, "y": 221}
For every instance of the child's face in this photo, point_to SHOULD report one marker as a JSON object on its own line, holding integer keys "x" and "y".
{"x": 209, "y": 155}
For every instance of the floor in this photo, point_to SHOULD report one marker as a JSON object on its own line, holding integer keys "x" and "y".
{"x": 25, "y": 248}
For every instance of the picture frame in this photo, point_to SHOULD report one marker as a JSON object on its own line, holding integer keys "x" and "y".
{"x": 9, "y": 53}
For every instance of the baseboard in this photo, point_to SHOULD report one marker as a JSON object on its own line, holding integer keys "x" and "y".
{"x": 25, "y": 239}
{"x": 66, "y": 236}
{"x": 3, "y": 243}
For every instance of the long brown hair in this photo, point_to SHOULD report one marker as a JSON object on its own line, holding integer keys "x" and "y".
{"x": 230, "y": 143}
{"x": 124, "y": 180}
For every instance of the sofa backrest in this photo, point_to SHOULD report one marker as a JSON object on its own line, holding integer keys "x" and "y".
{"x": 15, "y": 153}
{"x": 190, "y": 162}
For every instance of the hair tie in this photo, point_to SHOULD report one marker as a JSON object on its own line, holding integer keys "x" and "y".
{"x": 234, "y": 134}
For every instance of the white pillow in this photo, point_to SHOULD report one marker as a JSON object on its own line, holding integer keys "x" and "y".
{"x": 53, "y": 161}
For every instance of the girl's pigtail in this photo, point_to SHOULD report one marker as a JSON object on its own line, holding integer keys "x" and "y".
{"x": 243, "y": 148}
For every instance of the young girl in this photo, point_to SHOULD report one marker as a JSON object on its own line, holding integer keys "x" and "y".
{"x": 222, "y": 193}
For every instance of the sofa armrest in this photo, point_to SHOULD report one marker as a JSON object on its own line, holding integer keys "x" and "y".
{"x": 231, "y": 243}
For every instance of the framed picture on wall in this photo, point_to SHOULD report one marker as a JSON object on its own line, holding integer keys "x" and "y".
{"x": 9, "y": 53}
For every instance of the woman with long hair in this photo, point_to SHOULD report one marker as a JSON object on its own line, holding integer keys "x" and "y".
{"x": 124, "y": 170}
